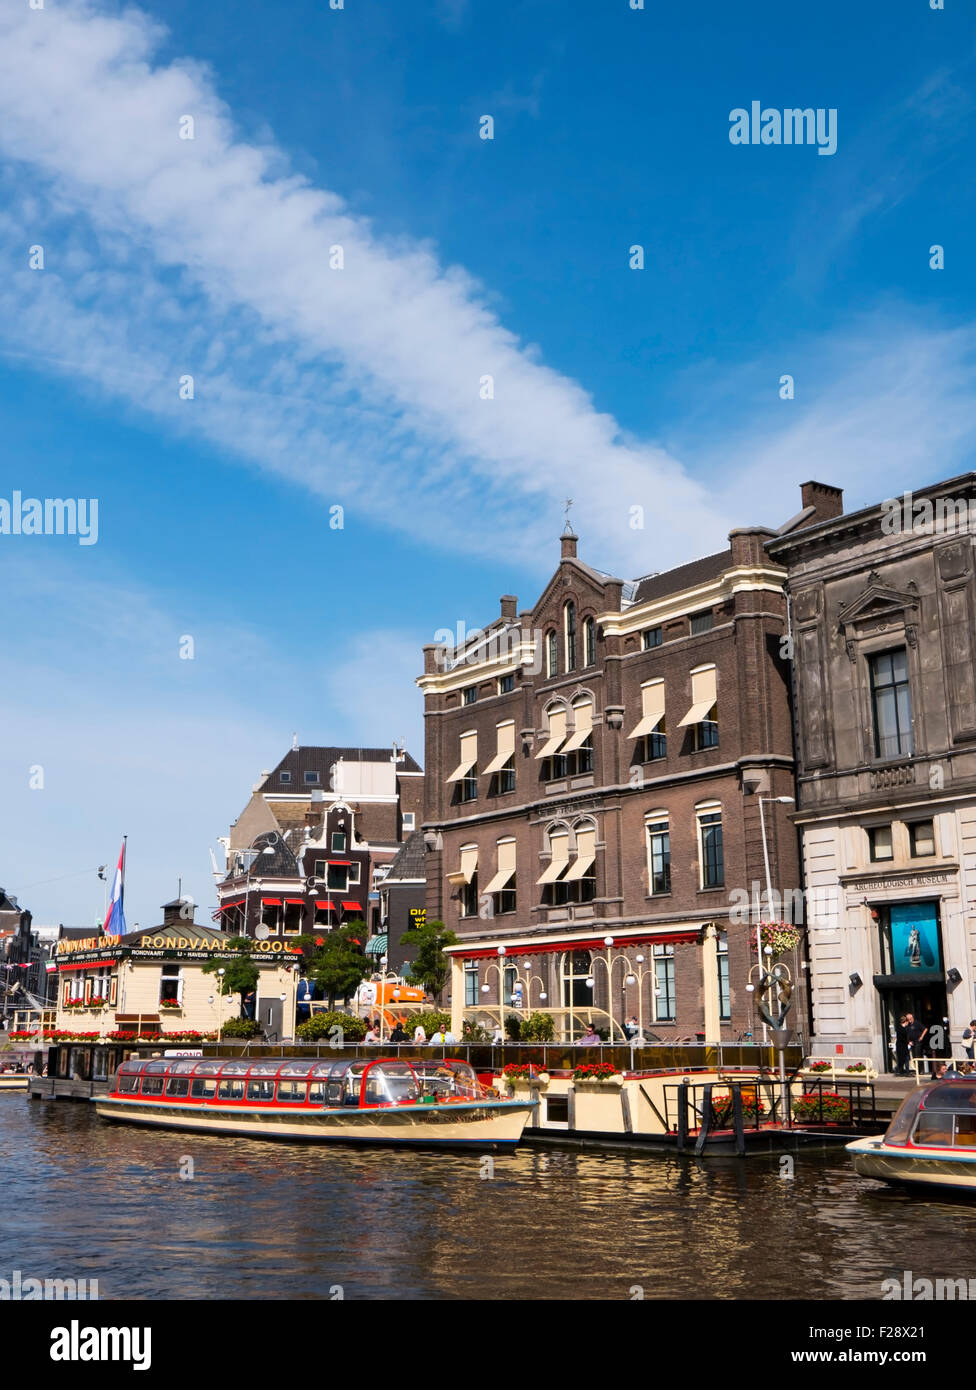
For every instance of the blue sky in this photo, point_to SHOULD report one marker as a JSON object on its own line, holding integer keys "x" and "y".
{"x": 315, "y": 387}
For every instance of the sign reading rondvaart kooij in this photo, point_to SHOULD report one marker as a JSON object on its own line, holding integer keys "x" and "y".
{"x": 914, "y": 937}
{"x": 167, "y": 945}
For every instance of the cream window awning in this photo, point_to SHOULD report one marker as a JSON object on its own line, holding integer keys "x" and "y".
{"x": 469, "y": 756}
{"x": 506, "y": 747}
{"x": 560, "y": 859}
{"x": 583, "y": 714}
{"x": 469, "y": 862}
{"x": 557, "y": 734}
{"x": 702, "y": 696}
{"x": 585, "y": 854}
{"x": 652, "y": 709}
{"x": 506, "y": 867}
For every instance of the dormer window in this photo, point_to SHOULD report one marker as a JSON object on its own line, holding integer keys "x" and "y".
{"x": 311, "y": 779}
{"x": 284, "y": 777}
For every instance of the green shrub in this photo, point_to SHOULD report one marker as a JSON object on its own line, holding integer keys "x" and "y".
{"x": 513, "y": 1027}
{"x": 537, "y": 1028}
{"x": 430, "y": 1021}
{"x": 240, "y": 1028}
{"x": 320, "y": 1025}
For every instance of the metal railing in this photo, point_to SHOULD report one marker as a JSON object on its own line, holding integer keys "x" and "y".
{"x": 695, "y": 1110}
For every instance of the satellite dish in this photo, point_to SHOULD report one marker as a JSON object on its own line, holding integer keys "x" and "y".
{"x": 262, "y": 932}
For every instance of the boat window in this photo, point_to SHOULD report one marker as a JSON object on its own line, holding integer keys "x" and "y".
{"x": 181, "y": 1068}
{"x": 316, "y": 1093}
{"x": 152, "y": 1085}
{"x": 230, "y": 1090}
{"x": 292, "y": 1092}
{"x": 260, "y": 1090}
{"x": 933, "y": 1127}
{"x": 128, "y": 1084}
{"x": 326, "y": 1068}
{"x": 901, "y": 1126}
{"x": 264, "y": 1069}
{"x": 178, "y": 1086}
{"x": 390, "y": 1083}
{"x": 333, "y": 1093}
{"x": 966, "y": 1131}
{"x": 156, "y": 1067}
{"x": 235, "y": 1069}
{"x": 203, "y": 1089}
{"x": 207, "y": 1069}
{"x": 296, "y": 1069}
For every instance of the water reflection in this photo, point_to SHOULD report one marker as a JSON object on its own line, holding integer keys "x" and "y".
{"x": 258, "y": 1220}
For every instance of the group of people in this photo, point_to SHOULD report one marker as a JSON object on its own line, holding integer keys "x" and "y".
{"x": 398, "y": 1034}
{"x": 910, "y": 1043}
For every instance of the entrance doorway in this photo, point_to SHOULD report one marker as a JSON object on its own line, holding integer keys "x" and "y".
{"x": 913, "y": 981}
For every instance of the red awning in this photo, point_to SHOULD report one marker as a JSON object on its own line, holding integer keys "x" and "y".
{"x": 346, "y": 862}
{"x": 593, "y": 944}
{"x": 270, "y": 902}
{"x": 357, "y": 906}
{"x": 300, "y": 901}
{"x": 226, "y": 907}
{"x": 319, "y": 902}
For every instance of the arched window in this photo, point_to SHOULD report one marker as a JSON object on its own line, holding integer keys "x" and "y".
{"x": 569, "y": 619}
{"x": 589, "y": 642}
{"x": 552, "y": 654}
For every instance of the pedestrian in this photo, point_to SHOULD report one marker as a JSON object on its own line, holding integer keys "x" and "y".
{"x": 901, "y": 1046}
{"x": 917, "y": 1033}
{"x": 969, "y": 1039}
{"x": 419, "y": 1036}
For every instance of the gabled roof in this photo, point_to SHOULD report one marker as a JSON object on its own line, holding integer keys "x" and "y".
{"x": 410, "y": 863}
{"x": 687, "y": 576}
{"x": 280, "y": 863}
{"x": 298, "y": 761}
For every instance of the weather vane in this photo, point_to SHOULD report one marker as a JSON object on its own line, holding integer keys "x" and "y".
{"x": 569, "y": 503}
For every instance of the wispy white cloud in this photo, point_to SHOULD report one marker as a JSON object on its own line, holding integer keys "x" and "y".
{"x": 209, "y": 256}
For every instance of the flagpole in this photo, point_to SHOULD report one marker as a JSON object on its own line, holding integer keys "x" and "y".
{"x": 125, "y": 845}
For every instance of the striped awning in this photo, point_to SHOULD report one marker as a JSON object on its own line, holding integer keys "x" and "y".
{"x": 376, "y": 945}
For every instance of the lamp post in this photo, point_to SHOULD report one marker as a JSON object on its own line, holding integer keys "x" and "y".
{"x": 784, "y": 801}
{"x": 608, "y": 965}
{"x": 500, "y": 972}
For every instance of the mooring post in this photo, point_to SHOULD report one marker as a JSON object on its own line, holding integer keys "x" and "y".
{"x": 738, "y": 1124}
{"x": 683, "y": 1115}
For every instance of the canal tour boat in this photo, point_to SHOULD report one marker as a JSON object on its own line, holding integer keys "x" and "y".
{"x": 931, "y": 1140}
{"x": 387, "y": 1101}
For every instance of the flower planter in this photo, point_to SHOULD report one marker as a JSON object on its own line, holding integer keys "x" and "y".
{"x": 598, "y": 1083}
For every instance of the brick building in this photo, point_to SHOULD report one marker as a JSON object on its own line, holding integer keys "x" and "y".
{"x": 316, "y": 839}
{"x": 594, "y": 769}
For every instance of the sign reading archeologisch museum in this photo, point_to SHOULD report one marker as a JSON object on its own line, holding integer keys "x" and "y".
{"x": 895, "y": 883}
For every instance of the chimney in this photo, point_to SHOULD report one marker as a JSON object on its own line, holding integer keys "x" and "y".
{"x": 181, "y": 912}
{"x": 828, "y": 501}
{"x": 568, "y": 539}
{"x": 509, "y": 605}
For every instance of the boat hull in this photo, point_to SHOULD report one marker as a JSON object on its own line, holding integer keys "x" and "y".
{"x": 484, "y": 1124}
{"x": 943, "y": 1168}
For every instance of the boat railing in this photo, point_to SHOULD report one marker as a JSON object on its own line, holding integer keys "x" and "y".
{"x": 695, "y": 1110}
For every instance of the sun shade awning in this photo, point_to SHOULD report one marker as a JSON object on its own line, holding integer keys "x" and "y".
{"x": 557, "y": 734}
{"x": 469, "y": 756}
{"x": 506, "y": 748}
{"x": 652, "y": 709}
{"x": 560, "y": 859}
{"x": 702, "y": 696}
{"x": 583, "y": 715}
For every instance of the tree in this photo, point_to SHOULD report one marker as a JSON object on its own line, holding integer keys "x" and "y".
{"x": 429, "y": 966}
{"x": 240, "y": 973}
{"x": 335, "y": 960}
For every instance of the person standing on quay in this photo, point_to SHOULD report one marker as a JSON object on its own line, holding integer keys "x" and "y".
{"x": 969, "y": 1038}
{"x": 917, "y": 1034}
{"x": 901, "y": 1046}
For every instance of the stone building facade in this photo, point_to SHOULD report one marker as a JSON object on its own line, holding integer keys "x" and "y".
{"x": 594, "y": 770}
{"x": 883, "y": 608}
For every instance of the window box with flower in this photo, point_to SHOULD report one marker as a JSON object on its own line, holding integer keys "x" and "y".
{"x": 597, "y": 1074}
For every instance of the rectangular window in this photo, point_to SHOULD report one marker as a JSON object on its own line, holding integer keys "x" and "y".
{"x": 338, "y": 842}
{"x": 294, "y": 912}
{"x": 284, "y": 777}
{"x": 653, "y": 746}
{"x": 712, "y": 859}
{"x": 653, "y": 637}
{"x": 311, "y": 779}
{"x": 506, "y": 684}
{"x": 271, "y": 917}
{"x": 338, "y": 878}
{"x": 409, "y": 822}
{"x": 702, "y": 622}
{"x": 355, "y": 873}
{"x": 470, "y": 986}
{"x": 468, "y": 786}
{"x": 152, "y": 1085}
{"x": 706, "y": 733}
{"x": 921, "y": 834}
{"x": 262, "y": 1089}
{"x": 506, "y": 778}
{"x": 659, "y": 850}
{"x": 128, "y": 1084}
{"x": 891, "y": 705}
{"x": 231, "y": 1090}
{"x": 663, "y": 984}
{"x": 470, "y": 694}
{"x": 178, "y": 1086}
{"x": 724, "y": 993}
{"x": 506, "y": 900}
{"x": 202, "y": 1089}
{"x": 170, "y": 984}
{"x": 292, "y": 1092}
{"x": 879, "y": 839}
{"x": 469, "y": 898}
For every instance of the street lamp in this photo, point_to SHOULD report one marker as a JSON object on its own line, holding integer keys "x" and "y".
{"x": 783, "y": 801}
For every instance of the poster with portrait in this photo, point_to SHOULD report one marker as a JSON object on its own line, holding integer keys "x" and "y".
{"x": 914, "y": 938}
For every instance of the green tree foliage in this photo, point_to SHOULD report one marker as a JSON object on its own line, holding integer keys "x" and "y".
{"x": 335, "y": 959}
{"x": 240, "y": 973}
{"x": 429, "y": 966}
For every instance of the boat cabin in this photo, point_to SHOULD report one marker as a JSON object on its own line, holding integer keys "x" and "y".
{"x": 358, "y": 1082}
{"x": 942, "y": 1116}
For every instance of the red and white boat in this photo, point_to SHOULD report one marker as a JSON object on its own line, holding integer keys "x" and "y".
{"x": 387, "y": 1101}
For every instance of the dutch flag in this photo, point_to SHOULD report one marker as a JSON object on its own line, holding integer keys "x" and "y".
{"x": 114, "y": 924}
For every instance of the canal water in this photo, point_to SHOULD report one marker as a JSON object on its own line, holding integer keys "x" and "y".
{"x": 86, "y": 1199}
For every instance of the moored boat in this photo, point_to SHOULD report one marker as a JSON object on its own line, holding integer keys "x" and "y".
{"x": 930, "y": 1142}
{"x": 358, "y": 1100}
